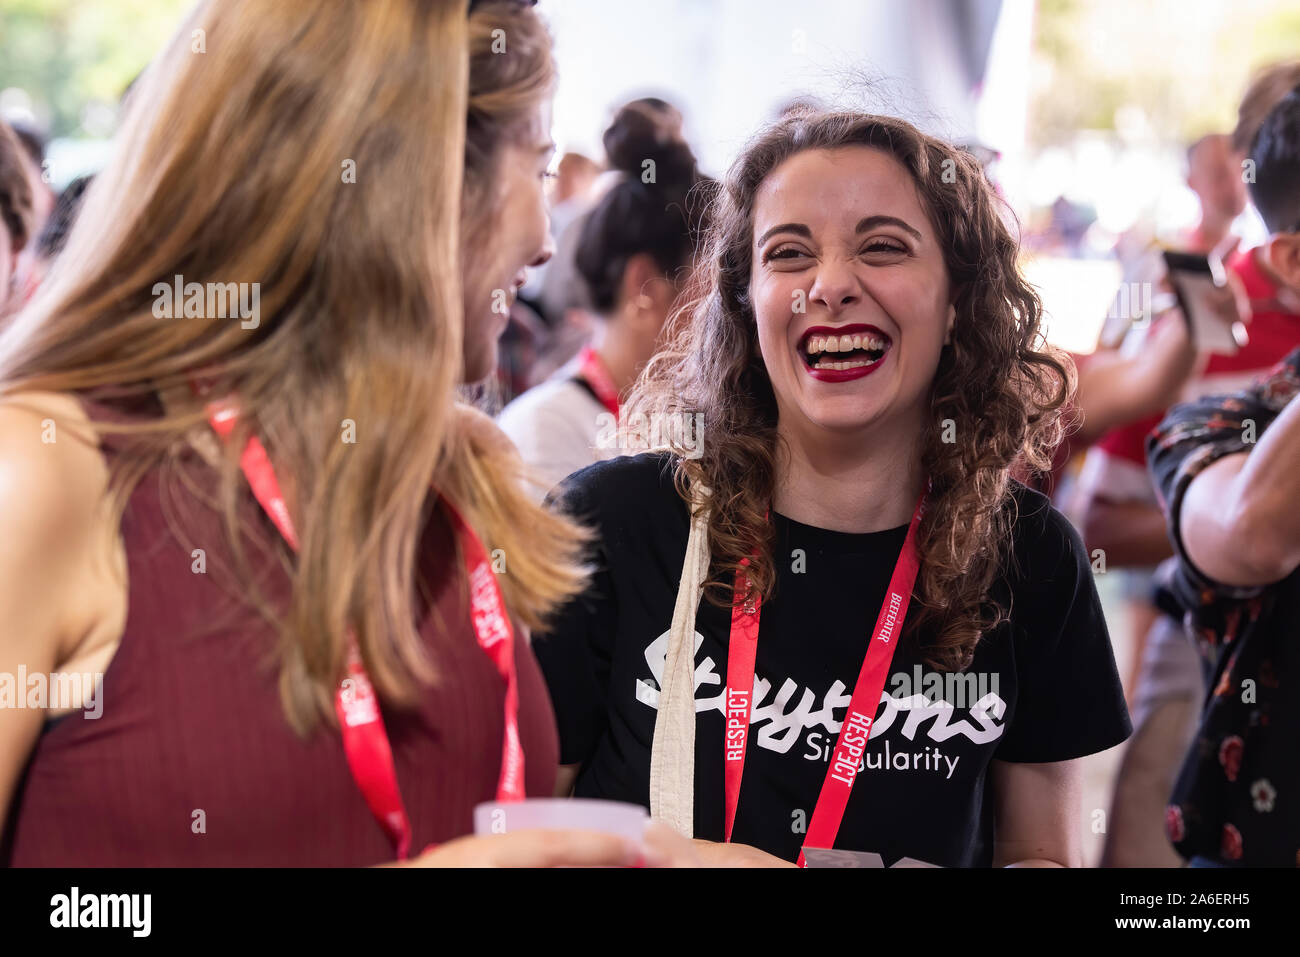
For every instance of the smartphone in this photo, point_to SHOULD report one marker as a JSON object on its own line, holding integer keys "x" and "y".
{"x": 1194, "y": 277}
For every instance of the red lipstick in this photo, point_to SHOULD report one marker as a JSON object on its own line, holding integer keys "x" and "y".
{"x": 873, "y": 358}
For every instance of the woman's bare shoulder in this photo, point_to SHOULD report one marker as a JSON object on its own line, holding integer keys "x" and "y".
{"x": 52, "y": 474}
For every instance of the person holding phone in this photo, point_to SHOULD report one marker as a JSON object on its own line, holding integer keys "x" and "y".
{"x": 839, "y": 622}
{"x": 1119, "y": 384}
{"x": 1121, "y": 515}
{"x": 262, "y": 536}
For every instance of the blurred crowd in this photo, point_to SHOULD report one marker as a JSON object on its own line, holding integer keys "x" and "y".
{"x": 1175, "y": 468}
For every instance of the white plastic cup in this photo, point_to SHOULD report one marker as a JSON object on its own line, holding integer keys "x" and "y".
{"x": 627, "y": 821}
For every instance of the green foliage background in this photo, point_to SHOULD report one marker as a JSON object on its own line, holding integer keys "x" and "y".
{"x": 69, "y": 53}
{"x": 1183, "y": 63}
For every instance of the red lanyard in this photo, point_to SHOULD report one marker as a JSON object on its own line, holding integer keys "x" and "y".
{"x": 592, "y": 371}
{"x": 365, "y": 741}
{"x": 856, "y": 729}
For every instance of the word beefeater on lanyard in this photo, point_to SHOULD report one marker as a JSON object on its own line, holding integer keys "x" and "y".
{"x": 742, "y": 648}
{"x": 365, "y": 740}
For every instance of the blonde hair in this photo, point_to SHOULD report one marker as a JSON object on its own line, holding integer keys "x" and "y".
{"x": 231, "y": 168}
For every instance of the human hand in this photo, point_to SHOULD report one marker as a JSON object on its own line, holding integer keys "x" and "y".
{"x": 534, "y": 848}
{"x": 1228, "y": 300}
{"x": 660, "y": 847}
{"x": 714, "y": 854}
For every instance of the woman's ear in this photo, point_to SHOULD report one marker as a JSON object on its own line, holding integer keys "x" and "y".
{"x": 646, "y": 291}
{"x": 952, "y": 319}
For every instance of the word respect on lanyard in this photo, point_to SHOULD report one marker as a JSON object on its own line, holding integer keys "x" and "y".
{"x": 365, "y": 740}
{"x": 742, "y": 648}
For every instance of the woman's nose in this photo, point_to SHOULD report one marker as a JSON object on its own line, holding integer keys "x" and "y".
{"x": 835, "y": 287}
{"x": 546, "y": 252}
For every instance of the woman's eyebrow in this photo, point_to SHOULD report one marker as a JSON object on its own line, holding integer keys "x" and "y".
{"x": 871, "y": 222}
{"x": 799, "y": 229}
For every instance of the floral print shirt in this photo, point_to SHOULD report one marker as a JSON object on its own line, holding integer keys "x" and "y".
{"x": 1237, "y": 796}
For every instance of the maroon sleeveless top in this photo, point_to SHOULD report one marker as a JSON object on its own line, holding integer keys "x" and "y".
{"x": 192, "y": 761}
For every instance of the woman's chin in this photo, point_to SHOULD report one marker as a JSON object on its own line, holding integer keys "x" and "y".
{"x": 480, "y": 366}
{"x": 842, "y": 418}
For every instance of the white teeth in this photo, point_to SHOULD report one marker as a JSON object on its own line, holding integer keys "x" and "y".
{"x": 821, "y": 345}
{"x": 851, "y": 364}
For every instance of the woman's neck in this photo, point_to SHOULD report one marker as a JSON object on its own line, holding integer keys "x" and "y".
{"x": 850, "y": 482}
{"x": 622, "y": 352}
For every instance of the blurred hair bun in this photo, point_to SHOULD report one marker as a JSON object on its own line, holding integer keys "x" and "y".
{"x": 650, "y": 129}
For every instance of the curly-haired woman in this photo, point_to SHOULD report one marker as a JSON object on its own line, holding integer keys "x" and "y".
{"x": 869, "y": 365}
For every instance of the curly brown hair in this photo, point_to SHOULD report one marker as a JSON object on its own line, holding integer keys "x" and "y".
{"x": 998, "y": 381}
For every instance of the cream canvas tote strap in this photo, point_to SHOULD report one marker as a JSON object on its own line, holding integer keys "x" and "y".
{"x": 672, "y": 753}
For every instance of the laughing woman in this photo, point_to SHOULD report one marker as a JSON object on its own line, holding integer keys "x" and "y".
{"x": 900, "y": 649}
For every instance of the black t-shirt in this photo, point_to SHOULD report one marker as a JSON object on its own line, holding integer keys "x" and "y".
{"x": 1042, "y": 687}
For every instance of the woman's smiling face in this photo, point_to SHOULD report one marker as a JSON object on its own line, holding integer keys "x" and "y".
{"x": 849, "y": 289}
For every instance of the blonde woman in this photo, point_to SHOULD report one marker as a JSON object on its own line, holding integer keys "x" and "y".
{"x": 264, "y": 531}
